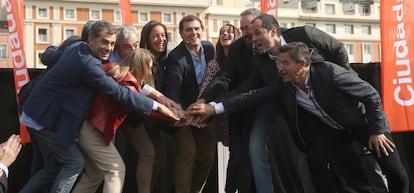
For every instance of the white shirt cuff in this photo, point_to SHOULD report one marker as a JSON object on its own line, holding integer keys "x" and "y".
{"x": 5, "y": 169}
{"x": 147, "y": 89}
{"x": 218, "y": 107}
{"x": 155, "y": 106}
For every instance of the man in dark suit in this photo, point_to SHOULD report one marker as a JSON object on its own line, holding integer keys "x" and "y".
{"x": 185, "y": 71}
{"x": 267, "y": 38}
{"x": 8, "y": 153}
{"x": 327, "y": 107}
{"x": 236, "y": 68}
{"x": 57, "y": 106}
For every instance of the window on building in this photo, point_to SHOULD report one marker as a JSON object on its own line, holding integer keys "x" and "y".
{"x": 225, "y": 23}
{"x": 309, "y": 6}
{"x": 364, "y": 9}
{"x": 39, "y": 64}
{"x": 366, "y": 29}
{"x": 349, "y": 29}
{"x": 169, "y": 37}
{"x": 3, "y": 51}
{"x": 95, "y": 15}
{"x": 310, "y": 24}
{"x": 69, "y": 14}
{"x": 348, "y": 8}
{"x": 170, "y": 44}
{"x": 39, "y": 56}
{"x": 69, "y": 32}
{"x": 367, "y": 49}
{"x": 349, "y": 49}
{"x": 117, "y": 16}
{"x": 167, "y": 18}
{"x": 331, "y": 28}
{"x": 42, "y": 35}
{"x": 330, "y": 9}
{"x": 143, "y": 17}
{"x": 42, "y": 12}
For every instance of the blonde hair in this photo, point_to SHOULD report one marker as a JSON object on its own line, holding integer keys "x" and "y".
{"x": 139, "y": 63}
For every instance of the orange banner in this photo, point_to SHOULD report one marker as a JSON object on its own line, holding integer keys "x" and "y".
{"x": 269, "y": 7}
{"x": 397, "y": 50}
{"x": 125, "y": 9}
{"x": 15, "y": 19}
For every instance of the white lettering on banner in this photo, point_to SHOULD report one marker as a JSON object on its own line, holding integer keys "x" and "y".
{"x": 271, "y": 7}
{"x": 21, "y": 73}
{"x": 403, "y": 80}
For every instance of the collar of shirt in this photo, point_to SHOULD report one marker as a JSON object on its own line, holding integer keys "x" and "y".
{"x": 276, "y": 58}
{"x": 199, "y": 62}
{"x": 282, "y": 41}
{"x": 114, "y": 57}
{"x": 307, "y": 83}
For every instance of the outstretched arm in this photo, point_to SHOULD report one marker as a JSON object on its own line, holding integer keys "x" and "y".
{"x": 158, "y": 96}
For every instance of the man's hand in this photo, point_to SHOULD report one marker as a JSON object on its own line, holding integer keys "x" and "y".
{"x": 168, "y": 102}
{"x": 167, "y": 112}
{"x": 381, "y": 144}
{"x": 202, "y": 109}
{"x": 10, "y": 149}
{"x": 198, "y": 113}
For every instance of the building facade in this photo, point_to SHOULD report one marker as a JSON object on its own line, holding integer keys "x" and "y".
{"x": 49, "y": 22}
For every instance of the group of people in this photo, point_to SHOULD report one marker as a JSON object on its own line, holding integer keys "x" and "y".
{"x": 288, "y": 98}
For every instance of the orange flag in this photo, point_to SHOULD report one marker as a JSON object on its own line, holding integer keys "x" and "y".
{"x": 125, "y": 9}
{"x": 397, "y": 50}
{"x": 15, "y": 19}
{"x": 269, "y": 7}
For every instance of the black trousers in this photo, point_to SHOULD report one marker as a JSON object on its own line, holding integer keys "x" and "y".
{"x": 323, "y": 142}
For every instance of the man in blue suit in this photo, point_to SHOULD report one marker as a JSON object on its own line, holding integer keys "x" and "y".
{"x": 57, "y": 107}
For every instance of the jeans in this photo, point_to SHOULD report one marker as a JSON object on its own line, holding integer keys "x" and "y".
{"x": 327, "y": 141}
{"x": 258, "y": 149}
{"x": 61, "y": 167}
{"x": 239, "y": 174}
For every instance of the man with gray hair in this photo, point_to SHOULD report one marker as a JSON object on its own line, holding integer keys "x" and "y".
{"x": 127, "y": 39}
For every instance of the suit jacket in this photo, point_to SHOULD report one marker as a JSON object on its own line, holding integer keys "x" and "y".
{"x": 180, "y": 79}
{"x": 349, "y": 100}
{"x": 264, "y": 72}
{"x": 323, "y": 46}
{"x": 62, "y": 98}
{"x": 3, "y": 183}
{"x": 235, "y": 69}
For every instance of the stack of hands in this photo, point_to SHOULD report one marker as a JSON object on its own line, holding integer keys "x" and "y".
{"x": 195, "y": 115}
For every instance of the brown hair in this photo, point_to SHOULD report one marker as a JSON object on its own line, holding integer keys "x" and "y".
{"x": 189, "y": 18}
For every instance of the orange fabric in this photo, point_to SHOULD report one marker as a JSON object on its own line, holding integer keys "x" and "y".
{"x": 269, "y": 7}
{"x": 397, "y": 65}
{"x": 125, "y": 9}
{"x": 15, "y": 19}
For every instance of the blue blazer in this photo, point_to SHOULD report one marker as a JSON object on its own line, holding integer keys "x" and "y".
{"x": 349, "y": 100}
{"x": 180, "y": 79}
{"x": 62, "y": 98}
